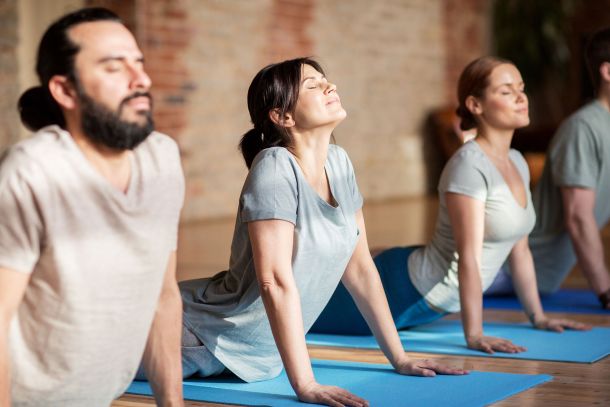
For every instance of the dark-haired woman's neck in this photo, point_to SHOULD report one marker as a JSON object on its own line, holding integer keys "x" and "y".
{"x": 310, "y": 149}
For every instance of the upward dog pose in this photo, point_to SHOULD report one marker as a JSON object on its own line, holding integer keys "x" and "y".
{"x": 299, "y": 230}
{"x": 571, "y": 199}
{"x": 484, "y": 217}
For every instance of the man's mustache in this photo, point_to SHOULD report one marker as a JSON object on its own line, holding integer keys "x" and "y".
{"x": 137, "y": 95}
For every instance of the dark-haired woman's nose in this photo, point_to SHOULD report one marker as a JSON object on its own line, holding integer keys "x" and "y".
{"x": 330, "y": 87}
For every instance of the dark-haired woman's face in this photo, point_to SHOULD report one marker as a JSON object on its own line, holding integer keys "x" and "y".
{"x": 504, "y": 104}
{"x": 319, "y": 104}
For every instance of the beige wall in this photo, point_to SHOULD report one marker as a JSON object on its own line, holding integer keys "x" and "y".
{"x": 9, "y": 89}
{"x": 387, "y": 57}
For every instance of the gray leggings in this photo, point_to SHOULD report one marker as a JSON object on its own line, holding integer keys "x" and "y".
{"x": 197, "y": 360}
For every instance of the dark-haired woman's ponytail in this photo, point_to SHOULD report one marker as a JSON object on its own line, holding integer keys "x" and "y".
{"x": 250, "y": 145}
{"x": 38, "y": 109}
{"x": 255, "y": 140}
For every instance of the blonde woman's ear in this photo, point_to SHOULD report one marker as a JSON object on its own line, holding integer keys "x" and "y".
{"x": 473, "y": 105}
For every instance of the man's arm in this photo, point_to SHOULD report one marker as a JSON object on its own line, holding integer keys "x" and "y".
{"x": 162, "y": 360}
{"x": 12, "y": 288}
{"x": 579, "y": 206}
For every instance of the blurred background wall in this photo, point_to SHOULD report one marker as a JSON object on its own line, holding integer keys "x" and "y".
{"x": 396, "y": 64}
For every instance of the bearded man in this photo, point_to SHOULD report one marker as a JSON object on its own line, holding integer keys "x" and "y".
{"x": 88, "y": 227}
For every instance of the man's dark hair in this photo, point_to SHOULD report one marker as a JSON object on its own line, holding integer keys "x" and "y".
{"x": 596, "y": 53}
{"x": 56, "y": 55}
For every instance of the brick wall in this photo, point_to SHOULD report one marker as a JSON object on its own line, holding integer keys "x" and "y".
{"x": 9, "y": 120}
{"x": 393, "y": 61}
{"x": 467, "y": 35}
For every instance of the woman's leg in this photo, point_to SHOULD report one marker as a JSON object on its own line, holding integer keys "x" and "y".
{"x": 196, "y": 358}
{"x": 341, "y": 316}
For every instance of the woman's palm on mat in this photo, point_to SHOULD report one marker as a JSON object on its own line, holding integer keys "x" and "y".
{"x": 330, "y": 396}
{"x": 425, "y": 367}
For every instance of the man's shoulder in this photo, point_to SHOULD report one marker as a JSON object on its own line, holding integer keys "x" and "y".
{"x": 591, "y": 116}
{"x": 160, "y": 143}
{"x": 43, "y": 146}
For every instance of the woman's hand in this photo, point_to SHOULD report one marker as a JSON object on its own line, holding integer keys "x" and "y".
{"x": 490, "y": 344}
{"x": 559, "y": 325}
{"x": 424, "y": 367}
{"x": 317, "y": 393}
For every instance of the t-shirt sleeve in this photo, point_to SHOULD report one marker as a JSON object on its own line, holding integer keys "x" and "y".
{"x": 179, "y": 196}
{"x": 464, "y": 175}
{"x": 574, "y": 159}
{"x": 270, "y": 190}
{"x": 20, "y": 222}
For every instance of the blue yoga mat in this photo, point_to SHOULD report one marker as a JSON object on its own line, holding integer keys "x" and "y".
{"x": 575, "y": 301}
{"x": 447, "y": 337}
{"x": 379, "y": 384}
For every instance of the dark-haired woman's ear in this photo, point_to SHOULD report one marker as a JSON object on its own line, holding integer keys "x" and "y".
{"x": 283, "y": 121}
{"x": 473, "y": 105}
{"x": 62, "y": 90}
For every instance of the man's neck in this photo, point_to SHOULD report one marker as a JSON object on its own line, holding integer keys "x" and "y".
{"x": 603, "y": 96}
{"x": 114, "y": 165}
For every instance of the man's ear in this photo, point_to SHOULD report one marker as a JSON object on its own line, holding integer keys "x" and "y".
{"x": 604, "y": 71}
{"x": 63, "y": 91}
{"x": 283, "y": 121}
{"x": 473, "y": 105}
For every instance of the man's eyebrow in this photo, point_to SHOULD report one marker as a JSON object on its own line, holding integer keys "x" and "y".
{"x": 117, "y": 58}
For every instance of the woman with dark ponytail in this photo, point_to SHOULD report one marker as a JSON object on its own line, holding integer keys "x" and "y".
{"x": 485, "y": 216}
{"x": 299, "y": 231}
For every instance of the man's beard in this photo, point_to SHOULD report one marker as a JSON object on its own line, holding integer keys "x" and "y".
{"x": 106, "y": 127}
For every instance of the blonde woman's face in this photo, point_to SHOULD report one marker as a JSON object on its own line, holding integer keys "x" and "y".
{"x": 504, "y": 104}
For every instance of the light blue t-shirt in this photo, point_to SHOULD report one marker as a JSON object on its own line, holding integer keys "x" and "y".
{"x": 434, "y": 268}
{"x": 579, "y": 156}
{"x": 226, "y": 311}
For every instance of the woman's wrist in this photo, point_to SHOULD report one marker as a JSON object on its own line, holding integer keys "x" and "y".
{"x": 538, "y": 320}
{"x": 302, "y": 386}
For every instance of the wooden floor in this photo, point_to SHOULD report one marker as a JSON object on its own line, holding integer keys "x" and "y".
{"x": 204, "y": 250}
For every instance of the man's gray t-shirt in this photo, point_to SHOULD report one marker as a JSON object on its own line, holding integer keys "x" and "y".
{"x": 226, "y": 311}
{"x": 579, "y": 156}
{"x": 434, "y": 269}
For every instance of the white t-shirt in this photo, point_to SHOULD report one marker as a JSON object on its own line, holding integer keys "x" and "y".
{"x": 96, "y": 258}
{"x": 434, "y": 268}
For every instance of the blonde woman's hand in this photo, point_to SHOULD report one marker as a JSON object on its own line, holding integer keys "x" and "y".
{"x": 490, "y": 344}
{"x": 559, "y": 325}
{"x": 334, "y": 396}
{"x": 425, "y": 367}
